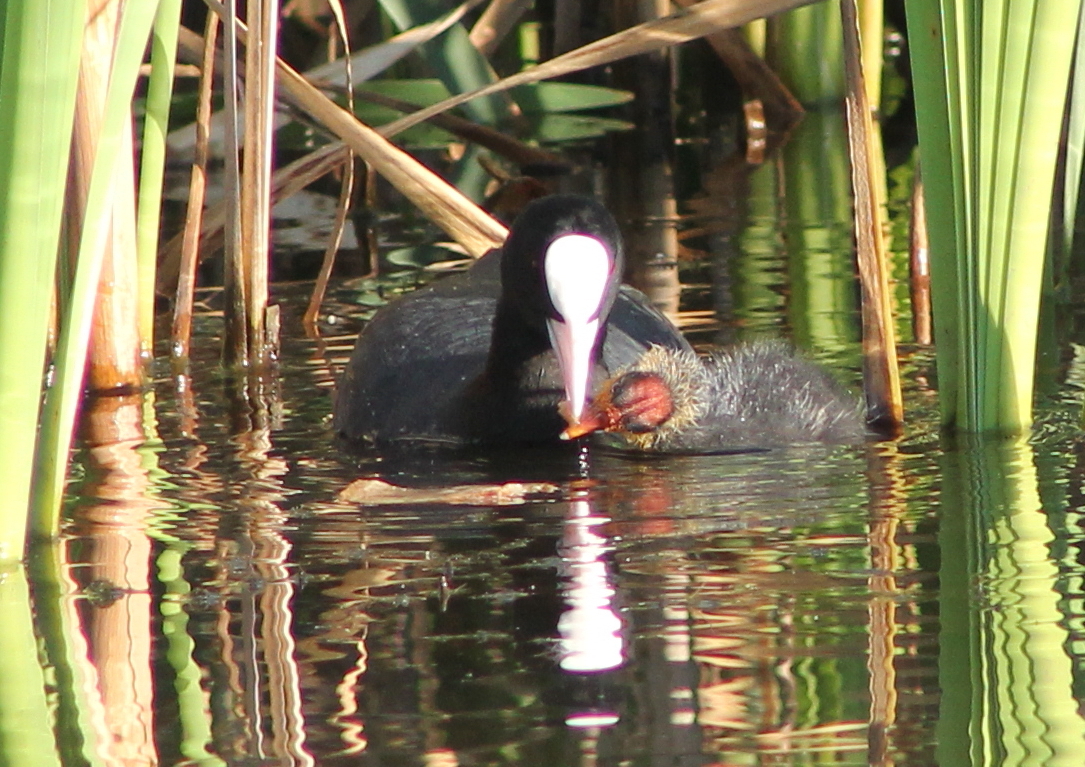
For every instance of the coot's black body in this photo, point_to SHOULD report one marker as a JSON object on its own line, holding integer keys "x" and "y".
{"x": 468, "y": 360}
{"x": 747, "y": 397}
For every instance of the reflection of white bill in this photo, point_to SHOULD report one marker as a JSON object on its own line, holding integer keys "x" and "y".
{"x": 590, "y": 629}
{"x": 585, "y": 719}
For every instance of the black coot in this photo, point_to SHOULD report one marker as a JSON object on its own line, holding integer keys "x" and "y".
{"x": 743, "y": 398}
{"x": 485, "y": 357}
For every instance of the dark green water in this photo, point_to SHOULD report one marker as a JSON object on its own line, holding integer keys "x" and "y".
{"x": 906, "y": 602}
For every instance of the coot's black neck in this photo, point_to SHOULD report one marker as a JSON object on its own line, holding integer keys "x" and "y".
{"x": 560, "y": 269}
{"x": 514, "y": 344}
{"x": 516, "y": 398}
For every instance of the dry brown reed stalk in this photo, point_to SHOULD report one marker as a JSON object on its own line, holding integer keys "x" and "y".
{"x": 372, "y": 242}
{"x": 881, "y": 376}
{"x": 115, "y": 351}
{"x": 260, "y": 57}
{"x": 345, "y": 193}
{"x": 442, "y": 203}
{"x": 181, "y": 334}
{"x": 235, "y": 340}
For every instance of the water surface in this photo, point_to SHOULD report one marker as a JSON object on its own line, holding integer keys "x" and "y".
{"x": 911, "y": 602}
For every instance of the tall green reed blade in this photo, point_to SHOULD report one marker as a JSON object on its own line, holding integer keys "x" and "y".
{"x": 802, "y": 36}
{"x": 1075, "y": 141}
{"x": 62, "y": 398}
{"x": 259, "y": 117}
{"x": 872, "y": 34}
{"x": 1039, "y": 45}
{"x": 153, "y": 160}
{"x": 989, "y": 77}
{"x": 39, "y": 67}
{"x": 930, "y": 55}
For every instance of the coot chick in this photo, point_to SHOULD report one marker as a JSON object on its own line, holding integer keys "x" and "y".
{"x": 484, "y": 357}
{"x": 747, "y": 397}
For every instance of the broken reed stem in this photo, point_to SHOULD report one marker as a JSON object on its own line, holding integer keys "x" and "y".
{"x": 372, "y": 244}
{"x": 881, "y": 377}
{"x": 181, "y": 334}
{"x": 495, "y": 22}
{"x": 919, "y": 266}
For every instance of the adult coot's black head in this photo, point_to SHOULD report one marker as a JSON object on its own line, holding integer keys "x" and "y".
{"x": 560, "y": 270}
{"x": 486, "y": 356}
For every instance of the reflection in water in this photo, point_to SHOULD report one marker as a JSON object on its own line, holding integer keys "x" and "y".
{"x": 772, "y": 606}
{"x": 113, "y": 571}
{"x": 630, "y": 619}
{"x": 591, "y": 632}
{"x": 1009, "y": 697}
{"x": 858, "y": 605}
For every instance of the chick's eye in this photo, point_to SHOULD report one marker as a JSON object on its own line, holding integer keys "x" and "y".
{"x": 636, "y": 425}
